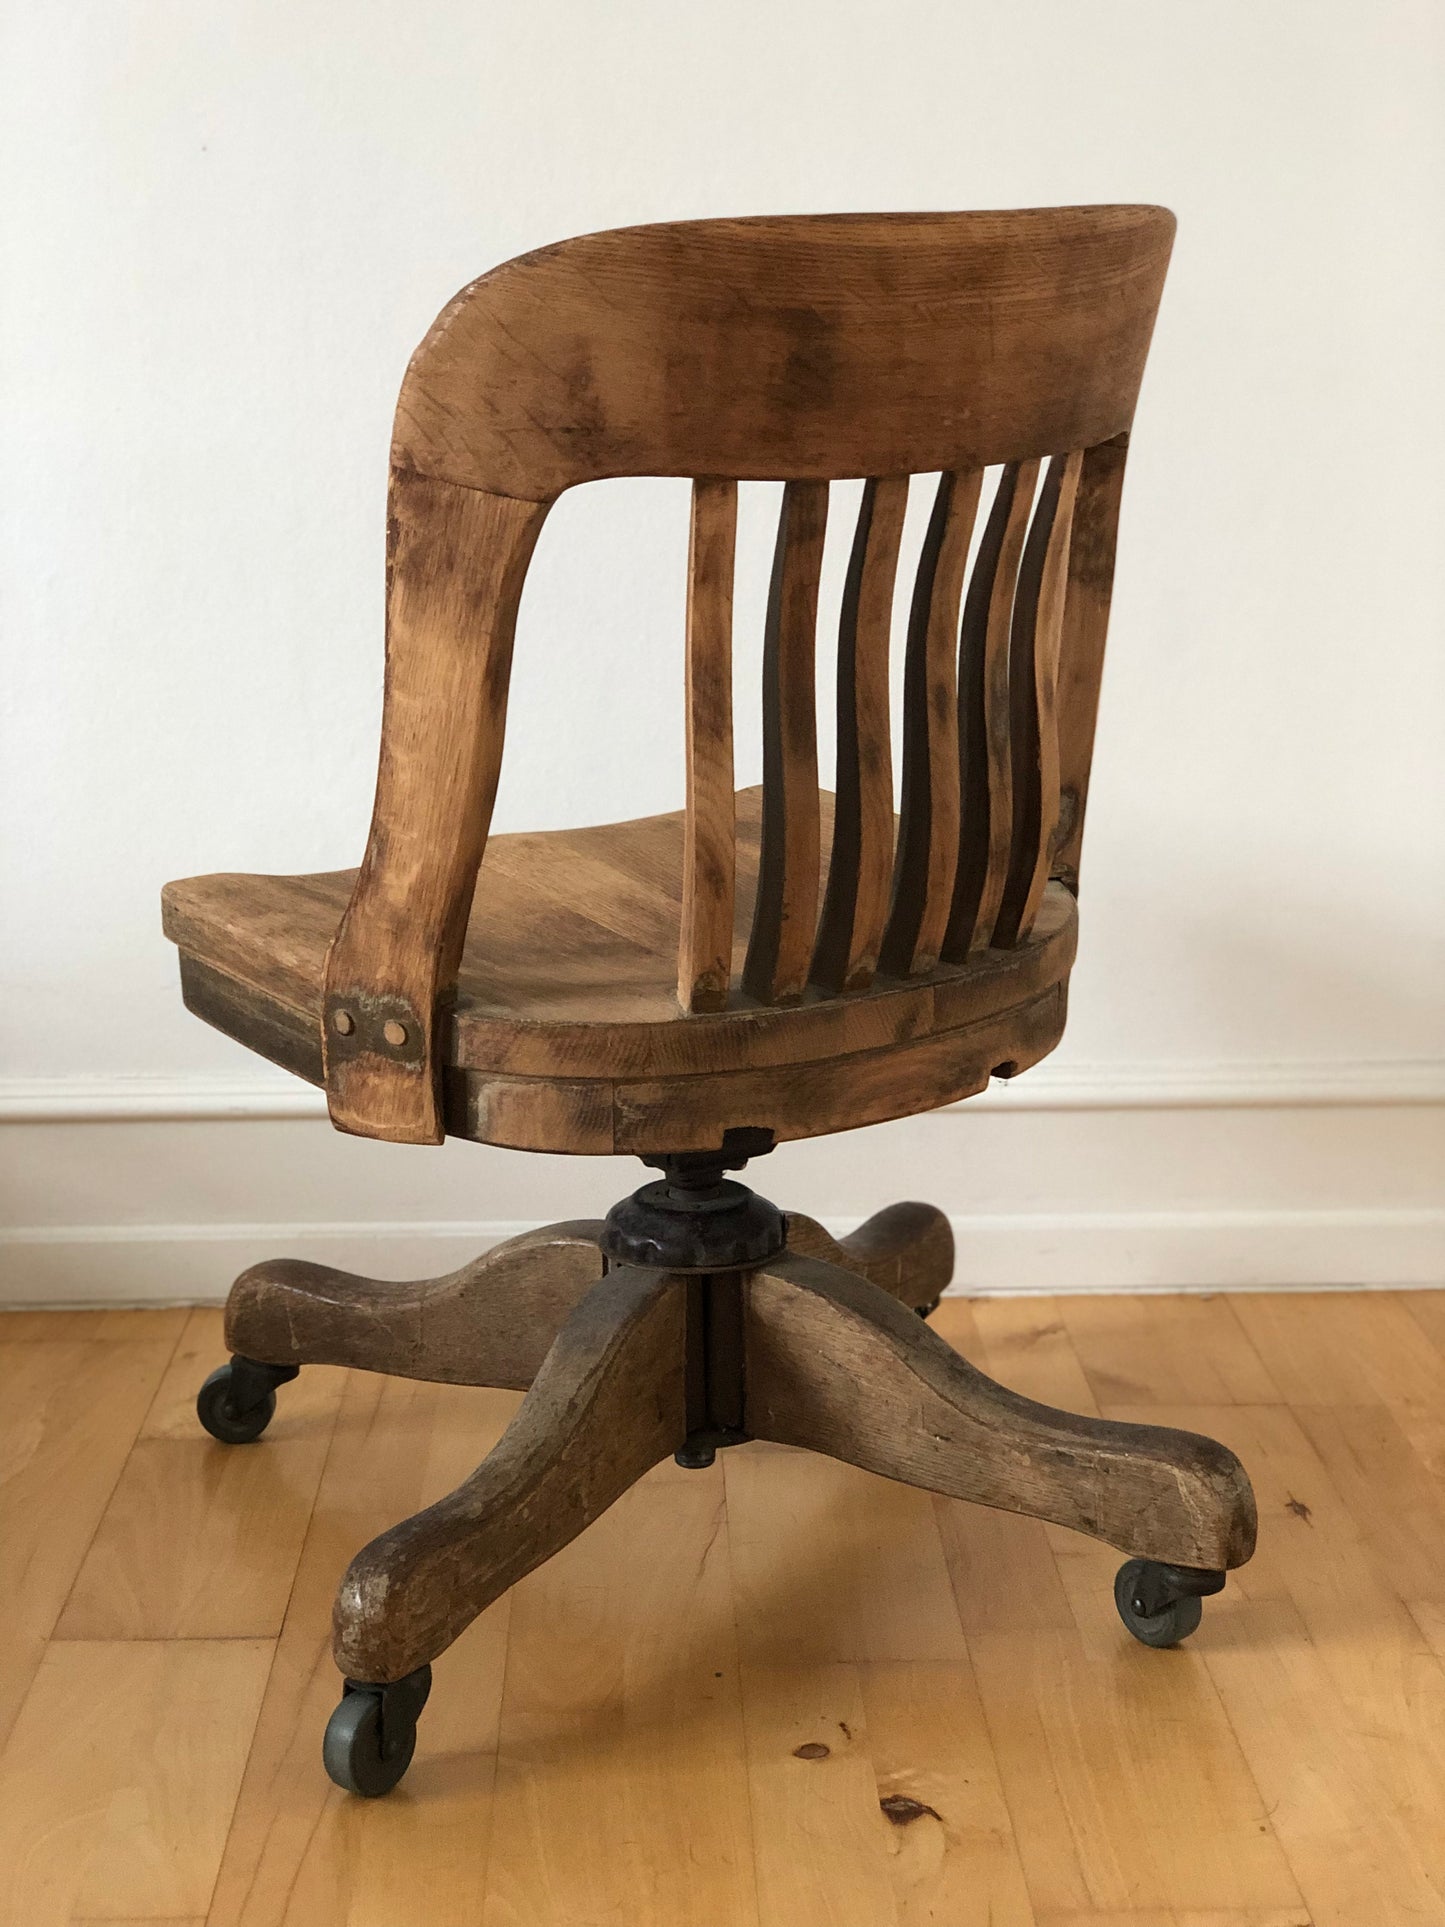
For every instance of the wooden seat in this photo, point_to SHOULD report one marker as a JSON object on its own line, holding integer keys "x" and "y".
{"x": 763, "y": 965}
{"x": 566, "y": 1034}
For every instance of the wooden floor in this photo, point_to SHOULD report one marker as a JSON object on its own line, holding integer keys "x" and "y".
{"x": 777, "y": 1693}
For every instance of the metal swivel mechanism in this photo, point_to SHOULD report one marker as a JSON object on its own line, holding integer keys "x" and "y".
{"x": 696, "y": 1221}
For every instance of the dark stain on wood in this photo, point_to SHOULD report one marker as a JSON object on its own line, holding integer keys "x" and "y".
{"x": 1298, "y": 1508}
{"x": 811, "y": 1750}
{"x": 902, "y": 1809}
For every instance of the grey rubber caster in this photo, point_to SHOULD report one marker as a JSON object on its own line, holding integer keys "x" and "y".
{"x": 1162, "y": 1604}
{"x": 238, "y": 1400}
{"x": 371, "y": 1737}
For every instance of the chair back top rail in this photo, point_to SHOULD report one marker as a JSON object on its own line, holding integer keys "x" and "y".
{"x": 795, "y": 348}
{"x": 800, "y": 349}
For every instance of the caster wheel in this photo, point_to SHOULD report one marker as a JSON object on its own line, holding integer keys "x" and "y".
{"x": 218, "y": 1410}
{"x": 927, "y": 1311}
{"x": 1155, "y": 1606}
{"x": 371, "y": 1737}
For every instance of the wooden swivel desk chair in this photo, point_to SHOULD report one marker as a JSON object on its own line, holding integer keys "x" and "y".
{"x": 775, "y": 964}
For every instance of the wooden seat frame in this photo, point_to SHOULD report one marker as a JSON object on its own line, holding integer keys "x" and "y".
{"x": 799, "y": 350}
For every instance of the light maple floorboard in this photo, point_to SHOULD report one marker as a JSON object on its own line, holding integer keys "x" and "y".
{"x": 70, "y": 1409}
{"x": 778, "y": 1693}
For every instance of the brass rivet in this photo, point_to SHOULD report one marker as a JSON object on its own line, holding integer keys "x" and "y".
{"x": 342, "y": 1022}
{"x": 394, "y": 1033}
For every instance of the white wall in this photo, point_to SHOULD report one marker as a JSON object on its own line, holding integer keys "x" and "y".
{"x": 223, "y": 230}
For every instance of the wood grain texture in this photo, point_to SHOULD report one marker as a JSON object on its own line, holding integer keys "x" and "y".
{"x": 984, "y": 748}
{"x": 492, "y": 1322}
{"x": 905, "y": 1249}
{"x": 819, "y": 1845}
{"x": 929, "y": 804}
{"x": 954, "y": 1857}
{"x": 808, "y": 1100}
{"x": 1283, "y": 1768}
{"x": 456, "y": 561}
{"x": 1092, "y": 546}
{"x": 855, "y": 906}
{"x": 72, "y": 1408}
{"x": 1022, "y": 729}
{"x": 1033, "y": 681}
{"x": 785, "y": 914}
{"x": 607, "y": 1404}
{"x": 564, "y": 1028}
{"x": 118, "y": 1782}
{"x": 1366, "y": 1734}
{"x": 789, "y": 348}
{"x": 1084, "y": 1741}
{"x": 199, "y": 1541}
{"x": 797, "y": 1099}
{"x": 622, "y": 1786}
{"x": 300, "y": 1853}
{"x": 121, "y": 1325}
{"x": 1330, "y": 1351}
{"x": 797, "y": 349}
{"x": 705, "y": 952}
{"x": 833, "y": 1566}
{"x": 1200, "y": 1356}
{"x": 857, "y": 1690}
{"x": 569, "y": 964}
{"x": 839, "y": 1366}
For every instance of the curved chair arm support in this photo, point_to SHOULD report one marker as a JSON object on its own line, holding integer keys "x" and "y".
{"x": 456, "y": 562}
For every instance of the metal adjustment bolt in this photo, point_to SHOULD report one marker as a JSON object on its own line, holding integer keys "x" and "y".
{"x": 342, "y": 1022}
{"x": 394, "y": 1033}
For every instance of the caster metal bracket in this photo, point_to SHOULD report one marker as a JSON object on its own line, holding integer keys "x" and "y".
{"x": 1158, "y": 1586}
{"x": 252, "y": 1383}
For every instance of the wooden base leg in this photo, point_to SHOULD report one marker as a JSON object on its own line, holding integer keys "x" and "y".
{"x": 608, "y": 1403}
{"x": 838, "y": 1365}
{"x": 906, "y": 1249}
{"x": 491, "y": 1323}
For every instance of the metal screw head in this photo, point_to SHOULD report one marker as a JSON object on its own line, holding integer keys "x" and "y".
{"x": 394, "y": 1033}
{"x": 342, "y": 1022}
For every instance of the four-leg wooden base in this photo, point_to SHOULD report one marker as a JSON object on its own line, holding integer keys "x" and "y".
{"x": 833, "y": 1357}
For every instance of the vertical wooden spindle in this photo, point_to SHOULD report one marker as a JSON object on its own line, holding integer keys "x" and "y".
{"x": 985, "y": 774}
{"x": 860, "y": 868}
{"x": 929, "y": 806}
{"x": 780, "y": 949}
{"x": 1033, "y": 677}
{"x": 1085, "y": 623}
{"x": 704, "y": 963}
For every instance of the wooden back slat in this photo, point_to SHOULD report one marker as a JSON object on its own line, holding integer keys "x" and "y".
{"x": 985, "y": 769}
{"x": 928, "y": 814}
{"x": 1081, "y": 643}
{"x": 1033, "y": 678}
{"x": 704, "y": 963}
{"x": 860, "y": 868}
{"x": 780, "y": 949}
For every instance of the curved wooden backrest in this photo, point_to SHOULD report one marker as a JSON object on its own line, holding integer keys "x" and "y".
{"x": 801, "y": 349}
{"x": 795, "y": 349}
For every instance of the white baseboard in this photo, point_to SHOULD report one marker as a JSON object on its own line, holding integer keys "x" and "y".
{"x": 1002, "y": 1253}
{"x": 1162, "y": 1177}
